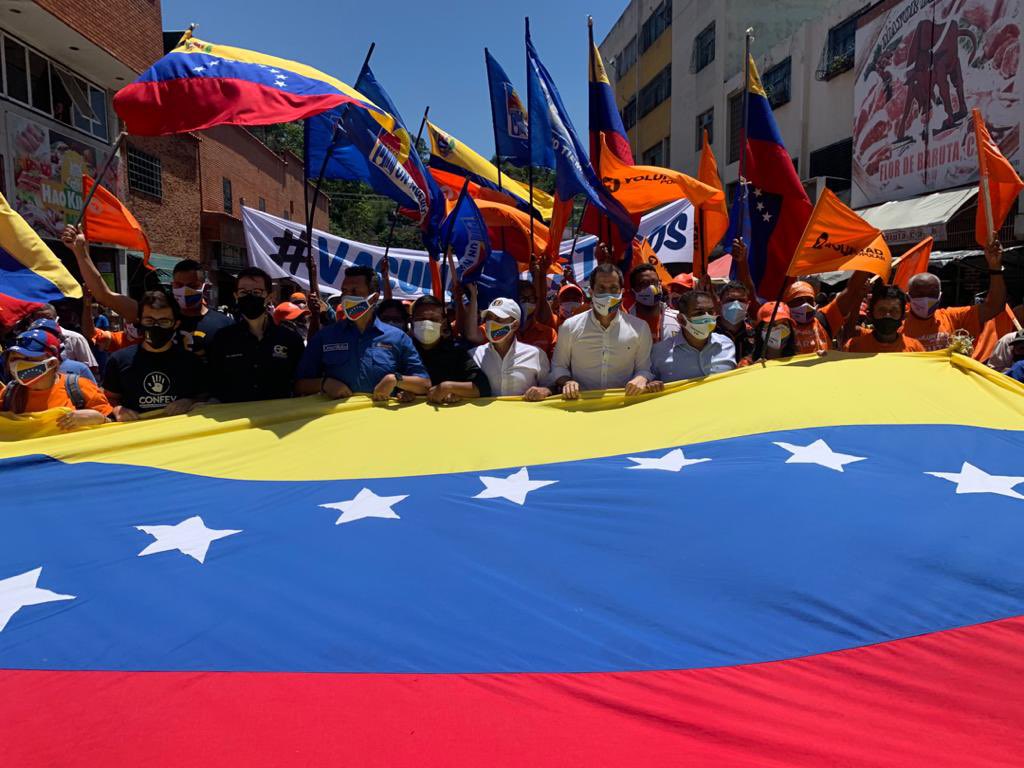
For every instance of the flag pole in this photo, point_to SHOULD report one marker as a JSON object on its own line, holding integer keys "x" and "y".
{"x": 576, "y": 237}
{"x": 99, "y": 177}
{"x": 529, "y": 114}
{"x": 741, "y": 189}
{"x": 596, "y": 161}
{"x": 986, "y": 192}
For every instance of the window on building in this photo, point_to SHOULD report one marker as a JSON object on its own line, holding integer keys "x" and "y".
{"x": 39, "y": 76}
{"x": 705, "y": 121}
{"x": 839, "y": 49}
{"x": 703, "y": 49}
{"x": 263, "y": 204}
{"x": 735, "y": 125}
{"x": 98, "y": 102}
{"x": 657, "y": 90}
{"x": 16, "y": 70}
{"x": 145, "y": 175}
{"x": 63, "y": 103}
{"x": 776, "y": 82}
{"x": 656, "y": 24}
{"x": 229, "y": 202}
{"x": 629, "y": 114}
{"x": 654, "y": 155}
{"x": 626, "y": 59}
{"x": 835, "y": 163}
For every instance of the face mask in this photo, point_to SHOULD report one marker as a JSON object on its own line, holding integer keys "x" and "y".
{"x": 157, "y": 337}
{"x": 251, "y": 306}
{"x": 188, "y": 298}
{"x": 886, "y": 326}
{"x": 923, "y": 306}
{"x": 1017, "y": 352}
{"x": 496, "y": 331}
{"x": 528, "y": 308}
{"x": 803, "y": 313}
{"x": 29, "y": 371}
{"x": 565, "y": 309}
{"x": 701, "y": 326}
{"x": 734, "y": 311}
{"x": 606, "y": 303}
{"x": 778, "y": 337}
{"x": 648, "y": 296}
{"x": 426, "y": 331}
{"x": 355, "y": 307}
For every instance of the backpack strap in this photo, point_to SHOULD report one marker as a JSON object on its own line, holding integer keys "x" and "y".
{"x": 7, "y": 403}
{"x": 73, "y": 386}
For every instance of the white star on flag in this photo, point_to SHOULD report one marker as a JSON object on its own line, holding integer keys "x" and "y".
{"x": 757, "y": 192}
{"x": 366, "y": 504}
{"x": 514, "y": 487}
{"x": 213, "y": 63}
{"x": 760, "y": 206}
{"x": 190, "y": 537}
{"x": 767, "y": 217}
{"x": 970, "y": 479}
{"x": 198, "y": 69}
{"x": 272, "y": 70}
{"x": 819, "y": 453}
{"x": 673, "y": 461}
{"x": 19, "y": 591}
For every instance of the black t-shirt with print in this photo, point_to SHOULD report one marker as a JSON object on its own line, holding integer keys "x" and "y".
{"x": 196, "y": 331}
{"x": 146, "y": 381}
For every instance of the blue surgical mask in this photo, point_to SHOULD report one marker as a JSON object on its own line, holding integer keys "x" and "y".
{"x": 733, "y": 312}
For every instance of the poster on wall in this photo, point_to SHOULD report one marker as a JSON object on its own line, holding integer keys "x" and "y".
{"x": 921, "y": 66}
{"x": 47, "y": 169}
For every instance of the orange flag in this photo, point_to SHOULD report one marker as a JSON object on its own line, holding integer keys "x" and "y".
{"x": 108, "y": 221}
{"x": 707, "y": 173}
{"x": 451, "y": 186}
{"x": 913, "y": 262}
{"x": 510, "y": 226}
{"x": 836, "y": 238}
{"x": 1003, "y": 185}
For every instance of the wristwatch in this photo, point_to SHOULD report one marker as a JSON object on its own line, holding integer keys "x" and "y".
{"x": 398, "y": 378}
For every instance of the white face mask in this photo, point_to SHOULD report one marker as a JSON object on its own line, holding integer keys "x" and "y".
{"x": 803, "y": 313}
{"x": 734, "y": 311}
{"x": 778, "y": 337}
{"x": 648, "y": 296}
{"x": 701, "y": 326}
{"x": 355, "y": 307}
{"x": 426, "y": 331}
{"x": 923, "y": 306}
{"x": 606, "y": 303}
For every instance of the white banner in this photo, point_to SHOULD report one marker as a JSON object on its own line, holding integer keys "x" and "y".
{"x": 275, "y": 246}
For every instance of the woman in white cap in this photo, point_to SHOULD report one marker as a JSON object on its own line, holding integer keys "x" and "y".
{"x": 511, "y": 367}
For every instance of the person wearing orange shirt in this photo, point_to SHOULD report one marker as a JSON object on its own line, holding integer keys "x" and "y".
{"x": 887, "y": 310}
{"x": 570, "y": 301}
{"x": 37, "y": 385}
{"x": 773, "y": 338}
{"x": 536, "y": 328}
{"x": 934, "y": 327}
{"x": 815, "y": 327}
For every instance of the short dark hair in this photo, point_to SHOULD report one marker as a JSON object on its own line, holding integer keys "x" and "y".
{"x": 187, "y": 265}
{"x": 605, "y": 269}
{"x": 393, "y": 304}
{"x": 255, "y": 272}
{"x": 733, "y": 285}
{"x": 638, "y": 270}
{"x": 882, "y": 291}
{"x": 367, "y": 273}
{"x": 427, "y": 300}
{"x": 159, "y": 300}
{"x": 689, "y": 299}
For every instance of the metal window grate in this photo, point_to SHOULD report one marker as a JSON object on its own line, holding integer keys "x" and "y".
{"x": 145, "y": 174}
{"x": 776, "y": 82}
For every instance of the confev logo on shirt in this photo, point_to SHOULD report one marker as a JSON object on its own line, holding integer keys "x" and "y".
{"x": 156, "y": 385}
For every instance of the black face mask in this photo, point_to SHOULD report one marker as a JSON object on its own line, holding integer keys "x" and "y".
{"x": 252, "y": 306}
{"x": 157, "y": 337}
{"x": 1017, "y": 352}
{"x": 886, "y": 326}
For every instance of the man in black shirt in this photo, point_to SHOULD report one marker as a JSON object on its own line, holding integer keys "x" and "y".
{"x": 253, "y": 359}
{"x": 158, "y": 373}
{"x": 453, "y": 373}
{"x": 199, "y": 323}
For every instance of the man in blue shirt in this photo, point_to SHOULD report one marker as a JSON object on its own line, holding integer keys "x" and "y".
{"x": 697, "y": 351}
{"x": 360, "y": 353}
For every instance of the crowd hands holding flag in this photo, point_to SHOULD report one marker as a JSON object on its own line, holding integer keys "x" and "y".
{"x": 627, "y": 325}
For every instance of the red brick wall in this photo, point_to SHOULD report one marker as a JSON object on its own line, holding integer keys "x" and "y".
{"x": 172, "y": 224}
{"x": 130, "y": 30}
{"x": 255, "y": 171}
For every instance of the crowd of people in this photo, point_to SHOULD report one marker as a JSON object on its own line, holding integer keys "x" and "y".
{"x": 616, "y": 331}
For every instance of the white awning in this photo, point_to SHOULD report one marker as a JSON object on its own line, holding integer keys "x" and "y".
{"x": 910, "y": 221}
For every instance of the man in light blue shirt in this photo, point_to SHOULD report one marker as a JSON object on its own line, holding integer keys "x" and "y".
{"x": 695, "y": 352}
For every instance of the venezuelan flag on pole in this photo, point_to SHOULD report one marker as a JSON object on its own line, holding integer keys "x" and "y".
{"x": 604, "y": 115}
{"x": 30, "y": 273}
{"x": 518, "y": 601}
{"x": 199, "y": 85}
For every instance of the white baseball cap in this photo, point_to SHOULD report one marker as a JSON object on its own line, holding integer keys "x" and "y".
{"x": 504, "y": 309}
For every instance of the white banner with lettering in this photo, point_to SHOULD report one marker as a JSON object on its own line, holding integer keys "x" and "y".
{"x": 275, "y": 246}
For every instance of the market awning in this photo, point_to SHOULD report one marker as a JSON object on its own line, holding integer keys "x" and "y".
{"x": 910, "y": 221}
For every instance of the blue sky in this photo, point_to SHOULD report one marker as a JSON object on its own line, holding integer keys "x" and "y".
{"x": 427, "y": 52}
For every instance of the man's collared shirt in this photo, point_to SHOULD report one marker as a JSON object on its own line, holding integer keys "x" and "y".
{"x": 360, "y": 360}
{"x": 596, "y": 357}
{"x": 522, "y": 367}
{"x": 244, "y": 368}
{"x": 674, "y": 359}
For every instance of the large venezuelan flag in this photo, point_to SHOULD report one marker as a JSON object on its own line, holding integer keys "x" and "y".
{"x": 200, "y": 84}
{"x": 604, "y": 115}
{"x": 831, "y": 579}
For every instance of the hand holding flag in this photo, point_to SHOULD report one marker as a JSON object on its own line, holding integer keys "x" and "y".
{"x": 836, "y": 239}
{"x": 107, "y": 220}
{"x": 998, "y": 184}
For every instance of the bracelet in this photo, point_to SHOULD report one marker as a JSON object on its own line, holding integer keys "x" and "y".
{"x": 996, "y": 271}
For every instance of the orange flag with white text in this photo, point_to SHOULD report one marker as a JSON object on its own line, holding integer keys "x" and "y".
{"x": 707, "y": 173}
{"x": 1003, "y": 182}
{"x": 107, "y": 220}
{"x": 913, "y": 262}
{"x": 837, "y": 239}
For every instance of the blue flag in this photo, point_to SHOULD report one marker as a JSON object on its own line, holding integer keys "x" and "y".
{"x": 466, "y": 235}
{"x": 511, "y": 123}
{"x": 574, "y": 175}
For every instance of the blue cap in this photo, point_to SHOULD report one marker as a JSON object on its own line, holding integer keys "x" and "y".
{"x": 35, "y": 342}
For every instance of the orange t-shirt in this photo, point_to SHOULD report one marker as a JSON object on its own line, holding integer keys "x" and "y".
{"x": 813, "y": 336}
{"x": 111, "y": 341}
{"x": 57, "y": 397}
{"x": 936, "y": 331}
{"x": 539, "y": 335}
{"x": 868, "y": 343}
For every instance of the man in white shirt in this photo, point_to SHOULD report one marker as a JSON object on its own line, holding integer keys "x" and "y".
{"x": 603, "y": 348}
{"x": 511, "y": 367}
{"x": 698, "y": 351}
